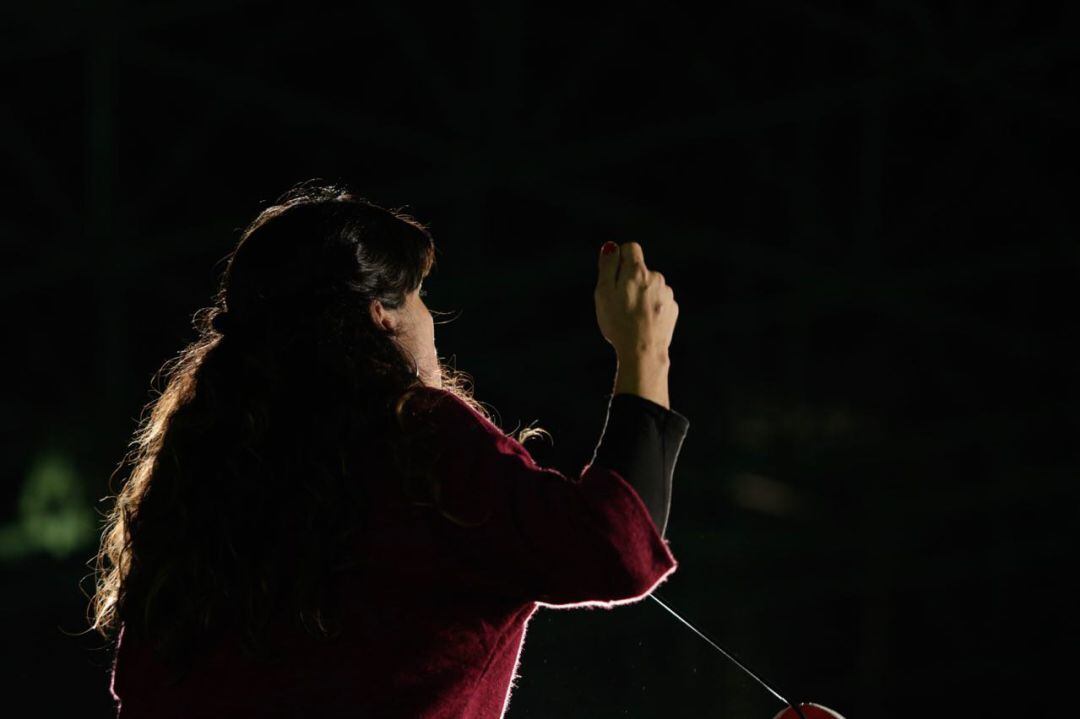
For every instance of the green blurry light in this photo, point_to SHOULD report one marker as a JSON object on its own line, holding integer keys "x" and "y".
{"x": 54, "y": 516}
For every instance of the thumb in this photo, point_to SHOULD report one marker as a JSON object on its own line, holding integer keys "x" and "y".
{"x": 609, "y": 263}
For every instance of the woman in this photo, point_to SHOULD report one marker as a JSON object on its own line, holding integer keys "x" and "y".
{"x": 319, "y": 520}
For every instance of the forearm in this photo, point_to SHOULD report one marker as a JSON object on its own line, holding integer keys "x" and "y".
{"x": 645, "y": 374}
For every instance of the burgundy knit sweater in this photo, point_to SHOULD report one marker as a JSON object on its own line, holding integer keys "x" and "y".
{"x": 437, "y": 616}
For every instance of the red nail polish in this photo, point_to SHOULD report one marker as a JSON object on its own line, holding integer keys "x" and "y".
{"x": 608, "y": 247}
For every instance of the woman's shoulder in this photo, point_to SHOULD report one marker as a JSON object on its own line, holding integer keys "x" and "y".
{"x": 425, "y": 399}
{"x": 455, "y": 416}
{"x": 436, "y": 403}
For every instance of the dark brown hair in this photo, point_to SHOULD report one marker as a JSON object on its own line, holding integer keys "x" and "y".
{"x": 267, "y": 430}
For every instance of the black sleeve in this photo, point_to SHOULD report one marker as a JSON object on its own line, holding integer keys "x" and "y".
{"x": 641, "y": 441}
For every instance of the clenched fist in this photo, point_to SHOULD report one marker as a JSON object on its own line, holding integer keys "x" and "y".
{"x": 635, "y": 308}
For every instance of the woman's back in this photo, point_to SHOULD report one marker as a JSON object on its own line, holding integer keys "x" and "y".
{"x": 435, "y": 610}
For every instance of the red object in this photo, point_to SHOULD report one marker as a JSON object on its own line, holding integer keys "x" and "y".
{"x": 608, "y": 247}
{"x": 436, "y": 618}
{"x": 810, "y": 711}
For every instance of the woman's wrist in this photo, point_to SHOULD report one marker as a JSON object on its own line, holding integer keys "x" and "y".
{"x": 644, "y": 374}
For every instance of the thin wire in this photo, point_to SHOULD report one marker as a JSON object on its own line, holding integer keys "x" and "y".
{"x": 720, "y": 649}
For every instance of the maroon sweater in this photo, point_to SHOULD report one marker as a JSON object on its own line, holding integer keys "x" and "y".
{"x": 437, "y": 617}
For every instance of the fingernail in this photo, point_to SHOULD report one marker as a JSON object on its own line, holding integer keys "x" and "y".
{"x": 608, "y": 247}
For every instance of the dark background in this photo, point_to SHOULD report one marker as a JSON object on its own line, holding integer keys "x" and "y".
{"x": 868, "y": 220}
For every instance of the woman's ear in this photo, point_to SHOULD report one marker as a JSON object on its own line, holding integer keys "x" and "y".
{"x": 382, "y": 316}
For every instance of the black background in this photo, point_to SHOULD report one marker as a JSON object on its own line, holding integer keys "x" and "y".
{"x": 866, "y": 213}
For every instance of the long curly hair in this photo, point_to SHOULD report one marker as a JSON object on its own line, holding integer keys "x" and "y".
{"x": 246, "y": 477}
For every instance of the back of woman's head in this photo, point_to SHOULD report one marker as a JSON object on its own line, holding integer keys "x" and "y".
{"x": 292, "y": 323}
{"x": 248, "y": 474}
{"x": 310, "y": 265}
